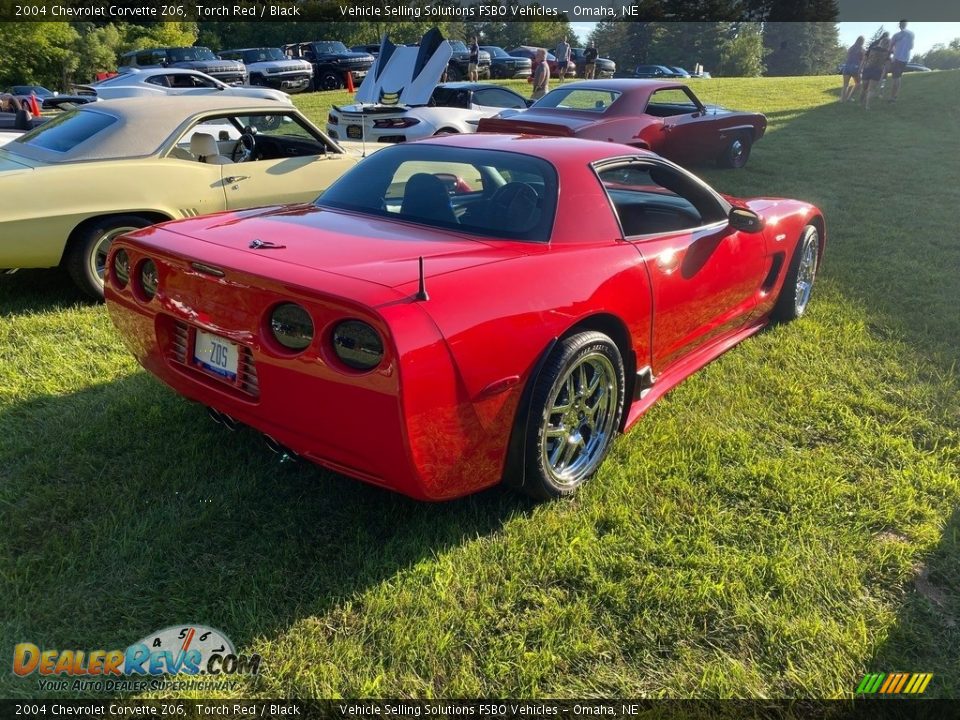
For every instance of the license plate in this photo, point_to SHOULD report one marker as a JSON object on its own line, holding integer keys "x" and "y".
{"x": 354, "y": 132}
{"x": 216, "y": 354}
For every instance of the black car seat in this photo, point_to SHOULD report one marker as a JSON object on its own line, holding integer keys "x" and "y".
{"x": 426, "y": 197}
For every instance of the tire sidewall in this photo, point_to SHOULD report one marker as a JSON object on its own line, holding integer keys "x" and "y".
{"x": 538, "y": 478}
{"x": 786, "y": 307}
{"x": 79, "y": 256}
{"x": 729, "y": 160}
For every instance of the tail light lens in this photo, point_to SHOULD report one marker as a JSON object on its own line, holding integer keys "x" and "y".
{"x": 292, "y": 326}
{"x": 121, "y": 268}
{"x": 358, "y": 345}
{"x": 149, "y": 279}
{"x": 391, "y": 123}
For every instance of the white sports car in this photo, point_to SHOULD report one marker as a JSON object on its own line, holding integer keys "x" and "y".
{"x": 399, "y": 100}
{"x": 159, "y": 82}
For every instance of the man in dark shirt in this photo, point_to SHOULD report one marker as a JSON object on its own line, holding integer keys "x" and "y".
{"x": 590, "y": 62}
{"x": 472, "y": 74}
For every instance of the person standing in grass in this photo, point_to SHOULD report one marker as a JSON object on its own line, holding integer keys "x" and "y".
{"x": 851, "y": 70}
{"x": 901, "y": 44}
{"x": 872, "y": 71}
{"x": 472, "y": 65}
{"x": 541, "y": 76}
{"x": 563, "y": 58}
{"x": 590, "y": 61}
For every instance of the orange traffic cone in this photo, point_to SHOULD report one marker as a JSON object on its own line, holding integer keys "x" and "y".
{"x": 34, "y": 105}
{"x": 349, "y": 77}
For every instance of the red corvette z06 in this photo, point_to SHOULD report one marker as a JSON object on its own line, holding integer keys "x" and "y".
{"x": 464, "y": 310}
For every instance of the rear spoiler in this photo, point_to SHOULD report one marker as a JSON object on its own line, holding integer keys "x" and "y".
{"x": 519, "y": 126}
{"x": 372, "y": 109}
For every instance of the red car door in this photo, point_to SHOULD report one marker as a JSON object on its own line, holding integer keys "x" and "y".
{"x": 686, "y": 135}
{"x": 705, "y": 277}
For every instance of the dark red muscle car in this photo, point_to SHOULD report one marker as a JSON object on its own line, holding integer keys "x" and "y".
{"x": 462, "y": 310}
{"x": 666, "y": 117}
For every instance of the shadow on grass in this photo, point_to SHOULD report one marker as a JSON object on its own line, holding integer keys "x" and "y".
{"x": 926, "y": 637}
{"x": 884, "y": 180}
{"x": 161, "y": 508}
{"x": 32, "y": 291}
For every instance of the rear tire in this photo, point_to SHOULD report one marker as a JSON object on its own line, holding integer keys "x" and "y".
{"x": 798, "y": 285}
{"x": 737, "y": 153}
{"x": 575, "y": 413}
{"x": 86, "y": 255}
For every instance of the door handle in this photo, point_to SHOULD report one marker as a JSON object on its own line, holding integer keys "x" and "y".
{"x": 230, "y": 180}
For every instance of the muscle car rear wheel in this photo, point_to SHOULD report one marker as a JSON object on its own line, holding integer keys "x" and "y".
{"x": 575, "y": 413}
{"x": 737, "y": 152}
{"x": 798, "y": 285}
{"x": 86, "y": 257}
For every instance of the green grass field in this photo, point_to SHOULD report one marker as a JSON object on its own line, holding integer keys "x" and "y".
{"x": 780, "y": 524}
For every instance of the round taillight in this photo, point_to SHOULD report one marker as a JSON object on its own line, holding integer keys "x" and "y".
{"x": 291, "y": 326}
{"x": 121, "y": 268}
{"x": 357, "y": 344}
{"x": 149, "y": 279}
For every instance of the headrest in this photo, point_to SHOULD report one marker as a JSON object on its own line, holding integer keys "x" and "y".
{"x": 203, "y": 145}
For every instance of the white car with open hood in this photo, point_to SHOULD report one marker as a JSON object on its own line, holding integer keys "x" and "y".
{"x": 400, "y": 100}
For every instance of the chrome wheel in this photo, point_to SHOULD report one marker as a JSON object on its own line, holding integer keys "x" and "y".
{"x": 736, "y": 150}
{"x": 101, "y": 248}
{"x": 580, "y": 419}
{"x": 806, "y": 271}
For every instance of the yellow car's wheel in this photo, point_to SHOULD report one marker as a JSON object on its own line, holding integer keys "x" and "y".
{"x": 86, "y": 257}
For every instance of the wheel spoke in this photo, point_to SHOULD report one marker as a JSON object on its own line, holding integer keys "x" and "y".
{"x": 570, "y": 448}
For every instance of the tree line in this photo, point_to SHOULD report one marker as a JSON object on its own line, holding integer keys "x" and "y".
{"x": 60, "y": 53}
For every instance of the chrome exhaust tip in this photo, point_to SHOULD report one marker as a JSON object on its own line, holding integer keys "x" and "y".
{"x": 11, "y": 271}
{"x": 223, "y": 419}
{"x": 286, "y": 454}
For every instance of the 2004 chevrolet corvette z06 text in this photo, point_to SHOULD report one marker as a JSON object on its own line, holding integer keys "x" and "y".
{"x": 462, "y": 310}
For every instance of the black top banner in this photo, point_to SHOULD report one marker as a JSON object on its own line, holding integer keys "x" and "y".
{"x": 476, "y": 10}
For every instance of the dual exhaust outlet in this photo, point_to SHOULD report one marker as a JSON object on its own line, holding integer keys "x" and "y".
{"x": 232, "y": 424}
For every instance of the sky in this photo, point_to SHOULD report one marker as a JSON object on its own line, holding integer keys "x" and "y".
{"x": 927, "y": 34}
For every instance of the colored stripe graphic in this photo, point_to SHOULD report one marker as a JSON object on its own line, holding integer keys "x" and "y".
{"x": 894, "y": 683}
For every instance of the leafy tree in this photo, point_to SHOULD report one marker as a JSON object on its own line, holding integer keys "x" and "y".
{"x": 37, "y": 53}
{"x": 96, "y": 49}
{"x": 942, "y": 57}
{"x": 744, "y": 52}
{"x": 801, "y": 48}
{"x": 160, "y": 34}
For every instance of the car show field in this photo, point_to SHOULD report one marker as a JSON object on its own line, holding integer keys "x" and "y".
{"x": 781, "y": 523}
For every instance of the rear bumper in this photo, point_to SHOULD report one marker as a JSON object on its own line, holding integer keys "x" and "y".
{"x": 405, "y": 426}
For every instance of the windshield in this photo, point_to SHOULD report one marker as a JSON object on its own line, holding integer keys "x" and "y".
{"x": 458, "y": 45}
{"x": 190, "y": 54}
{"x": 263, "y": 55}
{"x": 586, "y": 100}
{"x": 65, "y": 132}
{"x": 481, "y": 192}
{"x": 28, "y": 89}
{"x": 331, "y": 46}
{"x": 495, "y": 51}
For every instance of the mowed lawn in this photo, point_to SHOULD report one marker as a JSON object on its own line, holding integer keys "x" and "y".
{"x": 780, "y": 524}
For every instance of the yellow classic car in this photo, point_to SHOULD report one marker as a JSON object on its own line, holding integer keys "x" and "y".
{"x": 72, "y": 185}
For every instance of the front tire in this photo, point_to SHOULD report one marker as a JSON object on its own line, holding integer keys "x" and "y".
{"x": 86, "y": 257}
{"x": 575, "y": 412}
{"x": 798, "y": 285}
{"x": 329, "y": 80}
{"x": 737, "y": 152}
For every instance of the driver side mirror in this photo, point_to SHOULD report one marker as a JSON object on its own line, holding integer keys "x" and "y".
{"x": 745, "y": 220}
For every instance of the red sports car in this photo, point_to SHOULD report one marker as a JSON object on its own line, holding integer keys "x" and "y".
{"x": 462, "y": 310}
{"x": 666, "y": 117}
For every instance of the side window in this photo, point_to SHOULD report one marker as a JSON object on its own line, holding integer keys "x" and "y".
{"x": 161, "y": 80}
{"x": 224, "y": 132}
{"x": 496, "y": 97}
{"x": 671, "y": 101}
{"x": 650, "y": 198}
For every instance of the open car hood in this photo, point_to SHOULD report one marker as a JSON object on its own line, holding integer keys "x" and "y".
{"x": 406, "y": 75}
